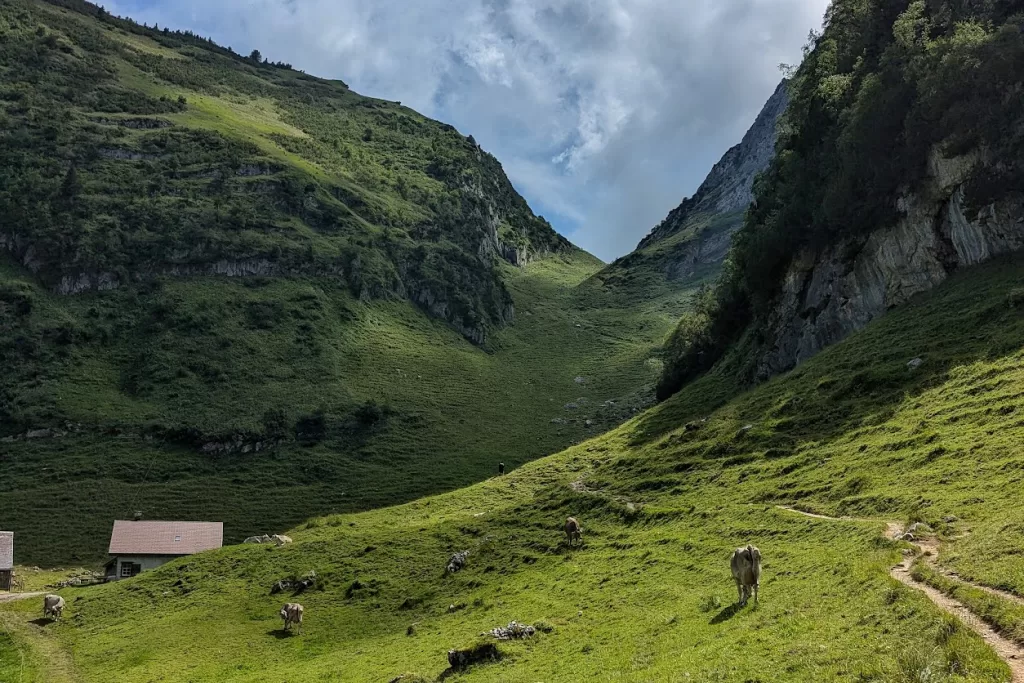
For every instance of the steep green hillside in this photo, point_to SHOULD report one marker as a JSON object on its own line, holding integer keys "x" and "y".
{"x": 662, "y": 499}
{"x": 232, "y": 291}
{"x": 888, "y": 97}
{"x": 130, "y": 153}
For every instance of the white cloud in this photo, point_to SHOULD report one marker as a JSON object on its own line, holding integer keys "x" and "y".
{"x": 605, "y": 113}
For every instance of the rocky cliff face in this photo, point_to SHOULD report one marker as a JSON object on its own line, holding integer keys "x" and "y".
{"x": 715, "y": 212}
{"x": 495, "y": 224}
{"x": 829, "y": 294}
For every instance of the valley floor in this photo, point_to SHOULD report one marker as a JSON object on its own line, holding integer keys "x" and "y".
{"x": 579, "y": 359}
{"x": 854, "y": 432}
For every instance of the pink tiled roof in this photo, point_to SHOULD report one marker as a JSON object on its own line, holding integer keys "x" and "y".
{"x": 6, "y": 550}
{"x": 165, "y": 538}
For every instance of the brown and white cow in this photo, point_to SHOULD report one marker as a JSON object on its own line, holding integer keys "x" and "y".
{"x": 573, "y": 531}
{"x": 746, "y": 570}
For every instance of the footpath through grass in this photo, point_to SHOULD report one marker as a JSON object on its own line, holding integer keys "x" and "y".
{"x": 663, "y": 500}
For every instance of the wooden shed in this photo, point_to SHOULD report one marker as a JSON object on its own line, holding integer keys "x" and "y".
{"x": 6, "y": 560}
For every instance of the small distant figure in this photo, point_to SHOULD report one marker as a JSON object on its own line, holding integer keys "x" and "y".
{"x": 746, "y": 569}
{"x": 53, "y": 607}
{"x": 501, "y": 468}
{"x": 292, "y": 615}
{"x": 573, "y": 531}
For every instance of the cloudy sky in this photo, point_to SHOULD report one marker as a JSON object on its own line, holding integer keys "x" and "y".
{"x": 604, "y": 113}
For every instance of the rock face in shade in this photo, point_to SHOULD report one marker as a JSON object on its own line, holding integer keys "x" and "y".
{"x": 829, "y": 294}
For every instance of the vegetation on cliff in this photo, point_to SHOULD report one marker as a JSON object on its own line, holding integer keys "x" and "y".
{"x": 882, "y": 87}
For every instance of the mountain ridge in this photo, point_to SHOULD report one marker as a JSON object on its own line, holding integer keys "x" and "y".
{"x": 694, "y": 238}
{"x": 728, "y": 188}
{"x": 310, "y": 164}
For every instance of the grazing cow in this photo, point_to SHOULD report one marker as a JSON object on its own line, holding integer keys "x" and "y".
{"x": 573, "y": 531}
{"x": 746, "y": 569}
{"x": 53, "y": 606}
{"x": 501, "y": 468}
{"x": 292, "y": 615}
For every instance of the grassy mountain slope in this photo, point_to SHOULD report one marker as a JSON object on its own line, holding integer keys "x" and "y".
{"x": 662, "y": 500}
{"x": 230, "y": 290}
{"x": 132, "y": 152}
{"x": 451, "y": 411}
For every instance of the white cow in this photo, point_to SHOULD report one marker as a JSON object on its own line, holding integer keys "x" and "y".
{"x": 746, "y": 569}
{"x": 292, "y": 614}
{"x": 53, "y": 606}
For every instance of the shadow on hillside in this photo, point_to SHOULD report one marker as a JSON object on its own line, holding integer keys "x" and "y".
{"x": 969, "y": 318}
{"x": 726, "y": 614}
{"x": 281, "y": 634}
{"x": 42, "y": 622}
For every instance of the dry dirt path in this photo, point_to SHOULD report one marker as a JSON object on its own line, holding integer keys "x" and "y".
{"x": 1009, "y": 651}
{"x": 11, "y": 597}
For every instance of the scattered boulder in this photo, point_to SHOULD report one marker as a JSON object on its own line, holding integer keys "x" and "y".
{"x": 277, "y": 539}
{"x": 457, "y": 562}
{"x": 914, "y": 364}
{"x": 44, "y": 434}
{"x": 949, "y": 519}
{"x": 513, "y": 631}
{"x": 580, "y": 380}
{"x": 294, "y": 584}
{"x": 86, "y": 579}
{"x": 919, "y": 527}
{"x": 571, "y": 406}
{"x": 474, "y": 654}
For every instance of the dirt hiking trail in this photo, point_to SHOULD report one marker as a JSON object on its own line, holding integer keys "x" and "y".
{"x": 1009, "y": 651}
{"x": 11, "y": 597}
